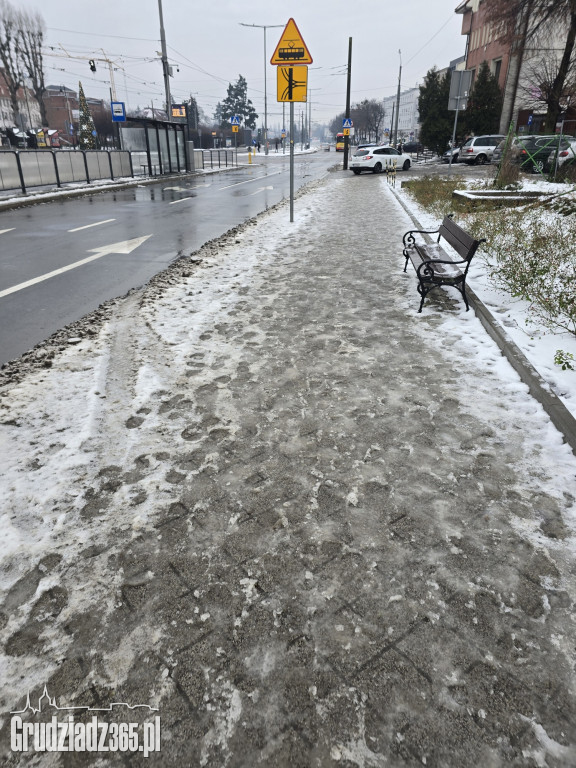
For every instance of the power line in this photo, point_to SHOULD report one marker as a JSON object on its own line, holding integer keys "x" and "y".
{"x": 98, "y": 34}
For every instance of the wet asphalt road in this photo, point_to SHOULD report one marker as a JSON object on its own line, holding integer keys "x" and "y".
{"x": 140, "y": 231}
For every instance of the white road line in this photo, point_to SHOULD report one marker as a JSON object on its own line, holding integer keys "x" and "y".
{"x": 96, "y": 224}
{"x": 182, "y": 200}
{"x": 126, "y": 246}
{"x": 28, "y": 283}
{"x": 257, "y": 178}
{"x": 6, "y": 230}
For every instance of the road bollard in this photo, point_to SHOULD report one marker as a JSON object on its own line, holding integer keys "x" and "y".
{"x": 249, "y": 156}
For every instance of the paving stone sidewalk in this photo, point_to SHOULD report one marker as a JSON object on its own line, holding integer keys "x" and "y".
{"x": 350, "y": 549}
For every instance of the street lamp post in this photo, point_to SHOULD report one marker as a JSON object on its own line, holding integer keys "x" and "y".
{"x": 395, "y": 142}
{"x": 264, "y": 27}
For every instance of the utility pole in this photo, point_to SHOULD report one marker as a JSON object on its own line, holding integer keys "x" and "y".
{"x": 398, "y": 101}
{"x": 165, "y": 67}
{"x": 349, "y": 80}
{"x": 264, "y": 27}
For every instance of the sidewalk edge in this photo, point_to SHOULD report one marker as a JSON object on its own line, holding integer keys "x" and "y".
{"x": 559, "y": 415}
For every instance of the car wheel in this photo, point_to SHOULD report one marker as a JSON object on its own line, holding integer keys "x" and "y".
{"x": 481, "y": 159}
{"x": 355, "y": 171}
{"x": 538, "y": 167}
{"x": 377, "y": 168}
{"x": 406, "y": 166}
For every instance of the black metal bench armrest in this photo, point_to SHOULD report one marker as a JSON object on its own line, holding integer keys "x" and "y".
{"x": 410, "y": 235}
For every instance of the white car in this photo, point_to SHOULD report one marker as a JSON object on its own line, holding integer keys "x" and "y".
{"x": 376, "y": 159}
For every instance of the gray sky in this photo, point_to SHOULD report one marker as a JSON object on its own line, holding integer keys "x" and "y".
{"x": 210, "y": 48}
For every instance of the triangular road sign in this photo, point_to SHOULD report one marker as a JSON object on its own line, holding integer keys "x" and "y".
{"x": 291, "y": 49}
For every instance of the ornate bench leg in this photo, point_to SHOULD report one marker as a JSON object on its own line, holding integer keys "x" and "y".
{"x": 407, "y": 259}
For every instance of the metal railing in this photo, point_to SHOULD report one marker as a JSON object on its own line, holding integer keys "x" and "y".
{"x": 20, "y": 169}
{"x": 219, "y": 158}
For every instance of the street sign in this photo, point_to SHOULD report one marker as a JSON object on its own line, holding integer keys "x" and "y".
{"x": 178, "y": 110}
{"x": 460, "y": 84}
{"x": 346, "y": 122}
{"x": 234, "y": 129}
{"x": 346, "y": 131}
{"x": 235, "y": 120}
{"x": 292, "y": 83}
{"x": 118, "y": 112}
{"x": 291, "y": 48}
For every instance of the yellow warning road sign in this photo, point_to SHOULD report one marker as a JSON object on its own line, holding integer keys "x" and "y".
{"x": 291, "y": 49}
{"x": 292, "y": 83}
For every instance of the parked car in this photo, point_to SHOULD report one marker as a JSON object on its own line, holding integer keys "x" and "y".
{"x": 566, "y": 154}
{"x": 376, "y": 159}
{"x": 536, "y": 154}
{"x": 451, "y": 152}
{"x": 412, "y": 146}
{"x": 479, "y": 149}
{"x": 532, "y": 153}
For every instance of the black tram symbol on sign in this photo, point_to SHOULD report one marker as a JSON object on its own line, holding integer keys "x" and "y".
{"x": 291, "y": 53}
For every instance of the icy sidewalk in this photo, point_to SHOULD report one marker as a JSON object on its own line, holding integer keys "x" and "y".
{"x": 309, "y": 525}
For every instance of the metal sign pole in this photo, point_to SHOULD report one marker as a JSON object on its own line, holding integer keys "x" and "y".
{"x": 291, "y": 161}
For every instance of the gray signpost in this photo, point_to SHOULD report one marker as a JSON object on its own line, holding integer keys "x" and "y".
{"x": 460, "y": 83}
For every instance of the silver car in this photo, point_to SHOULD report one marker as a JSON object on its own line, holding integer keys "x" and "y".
{"x": 479, "y": 149}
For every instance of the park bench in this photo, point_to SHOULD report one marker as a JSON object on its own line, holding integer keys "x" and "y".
{"x": 435, "y": 266}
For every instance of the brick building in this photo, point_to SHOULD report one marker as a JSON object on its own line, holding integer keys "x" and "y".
{"x": 28, "y": 107}
{"x": 520, "y": 71}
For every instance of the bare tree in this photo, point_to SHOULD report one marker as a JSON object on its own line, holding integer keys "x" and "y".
{"x": 30, "y": 36}
{"x": 368, "y": 117}
{"x": 522, "y": 21}
{"x": 541, "y": 75}
{"x": 9, "y": 55}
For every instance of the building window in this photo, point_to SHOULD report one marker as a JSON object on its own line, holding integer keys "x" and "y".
{"x": 497, "y": 68}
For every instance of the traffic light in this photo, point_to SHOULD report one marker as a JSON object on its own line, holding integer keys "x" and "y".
{"x": 92, "y": 64}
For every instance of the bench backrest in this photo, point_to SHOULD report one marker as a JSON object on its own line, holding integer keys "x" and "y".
{"x": 463, "y": 243}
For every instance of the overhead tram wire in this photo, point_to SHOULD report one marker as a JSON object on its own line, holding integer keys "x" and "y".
{"x": 432, "y": 38}
{"x": 98, "y": 34}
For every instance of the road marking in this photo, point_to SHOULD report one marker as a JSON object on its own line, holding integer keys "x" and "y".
{"x": 125, "y": 246}
{"x": 248, "y": 181}
{"x": 6, "y": 230}
{"x": 260, "y": 189}
{"x": 182, "y": 199}
{"x": 96, "y": 224}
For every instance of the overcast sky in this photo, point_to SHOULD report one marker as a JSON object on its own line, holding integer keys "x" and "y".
{"x": 209, "y": 47}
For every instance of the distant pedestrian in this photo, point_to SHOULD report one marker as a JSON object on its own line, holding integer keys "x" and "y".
{"x": 258, "y": 145}
{"x": 276, "y": 143}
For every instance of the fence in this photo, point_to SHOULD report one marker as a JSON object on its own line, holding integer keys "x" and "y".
{"x": 46, "y": 167}
{"x": 161, "y": 154}
{"x": 219, "y": 158}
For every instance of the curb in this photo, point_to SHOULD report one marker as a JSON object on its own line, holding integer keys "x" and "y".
{"x": 559, "y": 415}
